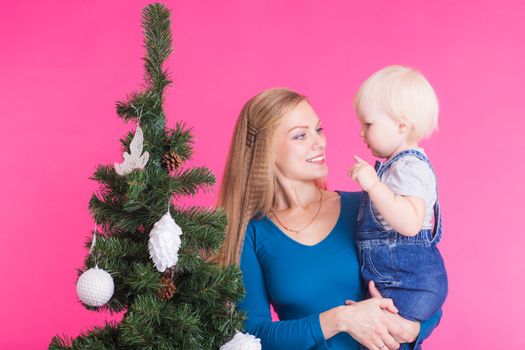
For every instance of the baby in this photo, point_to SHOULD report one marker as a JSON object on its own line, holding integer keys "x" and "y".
{"x": 399, "y": 222}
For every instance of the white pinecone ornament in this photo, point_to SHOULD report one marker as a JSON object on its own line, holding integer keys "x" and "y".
{"x": 95, "y": 287}
{"x": 164, "y": 242}
{"x": 243, "y": 341}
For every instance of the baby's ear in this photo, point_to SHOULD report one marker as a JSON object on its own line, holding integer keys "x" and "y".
{"x": 403, "y": 126}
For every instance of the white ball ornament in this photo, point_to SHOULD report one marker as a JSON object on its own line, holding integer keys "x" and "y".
{"x": 243, "y": 341}
{"x": 164, "y": 242}
{"x": 95, "y": 287}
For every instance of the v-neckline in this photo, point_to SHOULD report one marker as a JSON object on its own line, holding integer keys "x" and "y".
{"x": 285, "y": 235}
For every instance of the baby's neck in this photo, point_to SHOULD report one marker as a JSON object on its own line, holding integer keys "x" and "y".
{"x": 403, "y": 147}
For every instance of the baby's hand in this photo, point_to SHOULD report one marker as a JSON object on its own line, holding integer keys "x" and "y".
{"x": 364, "y": 174}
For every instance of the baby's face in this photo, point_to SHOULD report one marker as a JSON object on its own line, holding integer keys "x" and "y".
{"x": 381, "y": 132}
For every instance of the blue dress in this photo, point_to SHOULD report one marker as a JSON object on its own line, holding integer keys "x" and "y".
{"x": 302, "y": 281}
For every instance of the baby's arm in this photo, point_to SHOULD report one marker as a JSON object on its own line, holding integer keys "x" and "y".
{"x": 404, "y": 213}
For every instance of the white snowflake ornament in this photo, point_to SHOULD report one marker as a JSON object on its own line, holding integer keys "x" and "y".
{"x": 243, "y": 341}
{"x": 164, "y": 242}
{"x": 135, "y": 160}
{"x": 95, "y": 287}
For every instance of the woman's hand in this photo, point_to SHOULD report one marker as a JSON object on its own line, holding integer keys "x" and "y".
{"x": 408, "y": 331}
{"x": 410, "y": 328}
{"x": 367, "y": 321}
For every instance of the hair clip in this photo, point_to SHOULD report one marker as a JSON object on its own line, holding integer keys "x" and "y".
{"x": 251, "y": 135}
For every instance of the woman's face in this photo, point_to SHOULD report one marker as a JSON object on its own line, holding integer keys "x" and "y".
{"x": 300, "y": 145}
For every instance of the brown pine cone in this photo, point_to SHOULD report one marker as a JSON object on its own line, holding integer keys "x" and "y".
{"x": 170, "y": 272}
{"x": 168, "y": 288}
{"x": 203, "y": 254}
{"x": 230, "y": 307}
{"x": 171, "y": 160}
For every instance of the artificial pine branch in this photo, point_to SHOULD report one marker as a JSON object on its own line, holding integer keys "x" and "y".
{"x": 180, "y": 140}
{"x": 190, "y": 181}
{"x": 156, "y": 24}
{"x": 199, "y": 314}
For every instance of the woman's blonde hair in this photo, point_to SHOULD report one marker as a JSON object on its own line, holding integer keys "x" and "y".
{"x": 406, "y": 95}
{"x": 248, "y": 184}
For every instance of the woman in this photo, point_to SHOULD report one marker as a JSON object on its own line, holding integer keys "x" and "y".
{"x": 294, "y": 240}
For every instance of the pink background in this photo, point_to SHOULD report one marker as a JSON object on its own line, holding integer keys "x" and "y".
{"x": 63, "y": 64}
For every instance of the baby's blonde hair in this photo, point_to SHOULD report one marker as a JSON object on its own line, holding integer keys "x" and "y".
{"x": 406, "y": 95}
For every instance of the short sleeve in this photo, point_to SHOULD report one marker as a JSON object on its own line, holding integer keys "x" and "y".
{"x": 411, "y": 176}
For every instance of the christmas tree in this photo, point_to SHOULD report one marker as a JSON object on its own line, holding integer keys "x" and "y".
{"x": 152, "y": 254}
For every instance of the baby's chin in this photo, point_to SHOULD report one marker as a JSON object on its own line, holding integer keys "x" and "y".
{"x": 379, "y": 155}
{"x": 375, "y": 153}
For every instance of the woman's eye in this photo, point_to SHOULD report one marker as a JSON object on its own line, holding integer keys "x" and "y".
{"x": 320, "y": 130}
{"x": 299, "y": 136}
{"x": 368, "y": 124}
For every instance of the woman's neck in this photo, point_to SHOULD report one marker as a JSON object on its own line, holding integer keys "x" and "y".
{"x": 295, "y": 194}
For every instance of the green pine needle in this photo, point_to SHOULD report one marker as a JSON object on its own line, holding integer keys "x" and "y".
{"x": 126, "y": 209}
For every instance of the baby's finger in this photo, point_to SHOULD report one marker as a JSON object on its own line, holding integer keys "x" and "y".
{"x": 355, "y": 172}
{"x": 353, "y": 169}
{"x": 359, "y": 160}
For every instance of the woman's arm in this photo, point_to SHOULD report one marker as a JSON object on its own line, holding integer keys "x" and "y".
{"x": 427, "y": 327}
{"x": 366, "y": 321}
{"x": 304, "y": 333}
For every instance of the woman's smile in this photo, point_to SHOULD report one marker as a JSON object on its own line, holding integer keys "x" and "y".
{"x": 317, "y": 160}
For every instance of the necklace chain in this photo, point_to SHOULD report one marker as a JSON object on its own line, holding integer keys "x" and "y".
{"x": 308, "y": 224}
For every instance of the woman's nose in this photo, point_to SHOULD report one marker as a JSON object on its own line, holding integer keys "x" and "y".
{"x": 319, "y": 141}
{"x": 362, "y": 133}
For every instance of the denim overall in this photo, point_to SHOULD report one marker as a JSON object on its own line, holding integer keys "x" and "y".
{"x": 409, "y": 270}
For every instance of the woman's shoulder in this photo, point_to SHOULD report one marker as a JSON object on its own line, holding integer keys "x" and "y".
{"x": 350, "y": 202}
{"x": 350, "y": 196}
{"x": 258, "y": 225}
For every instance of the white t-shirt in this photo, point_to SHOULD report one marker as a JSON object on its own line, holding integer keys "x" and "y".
{"x": 411, "y": 176}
